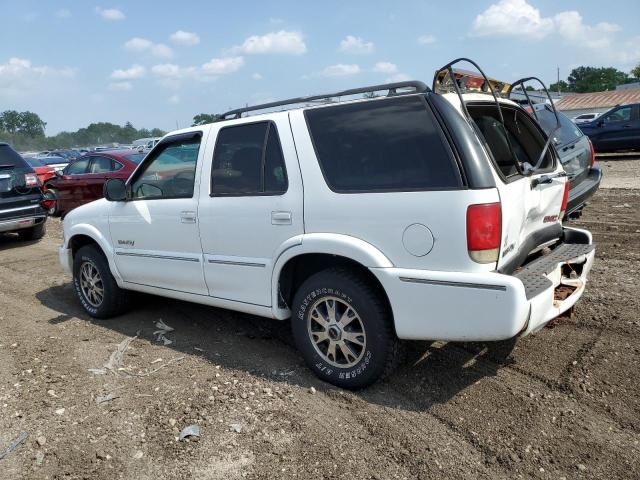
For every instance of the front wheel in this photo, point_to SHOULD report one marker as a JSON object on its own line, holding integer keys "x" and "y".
{"x": 51, "y": 194}
{"x": 343, "y": 327}
{"x": 95, "y": 287}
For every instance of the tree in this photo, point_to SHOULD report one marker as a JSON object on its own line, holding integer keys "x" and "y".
{"x": 10, "y": 121}
{"x": 636, "y": 71}
{"x": 31, "y": 125}
{"x": 204, "y": 118}
{"x": 560, "y": 86}
{"x": 591, "y": 79}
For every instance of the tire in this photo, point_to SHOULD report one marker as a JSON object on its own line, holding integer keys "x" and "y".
{"x": 33, "y": 233}
{"x": 372, "y": 346}
{"x": 52, "y": 194}
{"x": 108, "y": 302}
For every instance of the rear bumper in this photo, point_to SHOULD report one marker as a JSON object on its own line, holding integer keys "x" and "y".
{"x": 21, "y": 223}
{"x": 582, "y": 192}
{"x": 459, "y": 306}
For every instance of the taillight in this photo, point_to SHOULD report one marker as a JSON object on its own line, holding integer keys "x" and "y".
{"x": 47, "y": 203}
{"x": 592, "y": 162}
{"x": 484, "y": 231}
{"x": 30, "y": 180}
{"x": 565, "y": 198}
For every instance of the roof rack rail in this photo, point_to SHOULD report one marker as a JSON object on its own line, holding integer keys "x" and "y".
{"x": 392, "y": 88}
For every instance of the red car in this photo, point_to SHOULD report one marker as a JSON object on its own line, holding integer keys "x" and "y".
{"x": 43, "y": 171}
{"x": 82, "y": 180}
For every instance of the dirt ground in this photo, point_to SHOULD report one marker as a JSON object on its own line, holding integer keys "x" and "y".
{"x": 564, "y": 404}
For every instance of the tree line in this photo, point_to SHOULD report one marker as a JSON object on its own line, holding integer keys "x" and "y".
{"x": 26, "y": 131}
{"x": 593, "y": 79}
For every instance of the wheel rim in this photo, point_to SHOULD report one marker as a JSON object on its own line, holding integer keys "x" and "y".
{"x": 336, "y": 332}
{"x": 91, "y": 284}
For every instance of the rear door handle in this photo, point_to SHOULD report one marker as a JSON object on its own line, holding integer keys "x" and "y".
{"x": 187, "y": 217}
{"x": 280, "y": 218}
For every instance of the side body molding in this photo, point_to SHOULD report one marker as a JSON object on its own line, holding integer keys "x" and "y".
{"x": 323, "y": 243}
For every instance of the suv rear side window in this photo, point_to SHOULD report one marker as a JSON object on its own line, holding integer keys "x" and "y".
{"x": 382, "y": 145}
{"x": 9, "y": 158}
{"x": 248, "y": 160}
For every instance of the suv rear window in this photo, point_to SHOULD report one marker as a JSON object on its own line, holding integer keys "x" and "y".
{"x": 382, "y": 145}
{"x": 9, "y": 158}
{"x": 568, "y": 132}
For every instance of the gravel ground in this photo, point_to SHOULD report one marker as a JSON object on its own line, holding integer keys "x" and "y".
{"x": 564, "y": 404}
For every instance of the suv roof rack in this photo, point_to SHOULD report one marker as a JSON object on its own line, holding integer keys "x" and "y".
{"x": 392, "y": 88}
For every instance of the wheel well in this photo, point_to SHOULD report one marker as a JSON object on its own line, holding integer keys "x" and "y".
{"x": 299, "y": 268}
{"x": 78, "y": 241}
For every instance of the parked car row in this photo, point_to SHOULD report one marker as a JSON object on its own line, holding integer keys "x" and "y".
{"x": 615, "y": 130}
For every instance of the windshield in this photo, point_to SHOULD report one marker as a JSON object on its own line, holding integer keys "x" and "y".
{"x": 568, "y": 132}
{"x": 135, "y": 157}
{"x": 53, "y": 160}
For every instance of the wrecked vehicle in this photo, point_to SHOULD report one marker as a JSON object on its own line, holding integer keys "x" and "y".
{"x": 426, "y": 213}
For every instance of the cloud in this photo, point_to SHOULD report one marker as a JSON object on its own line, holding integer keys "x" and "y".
{"x": 340, "y": 70}
{"x": 283, "y": 42}
{"x": 120, "y": 86}
{"x": 170, "y": 74}
{"x": 110, "y": 14}
{"x": 187, "y": 39}
{"x": 63, "y": 13}
{"x": 517, "y": 18}
{"x": 398, "y": 77}
{"x": 355, "y": 45}
{"x": 20, "y": 77}
{"x": 511, "y": 18}
{"x": 426, "y": 39}
{"x": 174, "y": 99}
{"x": 385, "y": 67}
{"x": 221, "y": 66}
{"x": 256, "y": 76}
{"x": 135, "y": 71}
{"x": 139, "y": 44}
{"x": 571, "y": 27}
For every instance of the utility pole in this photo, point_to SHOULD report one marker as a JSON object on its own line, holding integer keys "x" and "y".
{"x": 558, "y": 81}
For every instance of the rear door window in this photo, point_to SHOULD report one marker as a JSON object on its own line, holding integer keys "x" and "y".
{"x": 248, "y": 160}
{"x": 382, "y": 145}
{"x": 78, "y": 167}
{"x": 101, "y": 165}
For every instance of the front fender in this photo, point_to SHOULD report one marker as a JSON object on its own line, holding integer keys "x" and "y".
{"x": 324, "y": 243}
{"x": 96, "y": 235}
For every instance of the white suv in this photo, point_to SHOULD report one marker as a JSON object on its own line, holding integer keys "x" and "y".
{"x": 408, "y": 216}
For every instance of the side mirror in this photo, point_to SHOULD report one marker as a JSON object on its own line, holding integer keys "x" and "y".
{"x": 600, "y": 123}
{"x": 115, "y": 190}
{"x": 58, "y": 173}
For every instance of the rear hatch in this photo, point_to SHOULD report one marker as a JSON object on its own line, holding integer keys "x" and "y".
{"x": 532, "y": 187}
{"x": 20, "y": 193}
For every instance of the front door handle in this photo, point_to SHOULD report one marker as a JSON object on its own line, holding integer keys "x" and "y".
{"x": 187, "y": 217}
{"x": 280, "y": 218}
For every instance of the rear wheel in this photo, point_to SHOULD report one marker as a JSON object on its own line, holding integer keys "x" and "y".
{"x": 344, "y": 329}
{"x": 33, "y": 233}
{"x": 95, "y": 287}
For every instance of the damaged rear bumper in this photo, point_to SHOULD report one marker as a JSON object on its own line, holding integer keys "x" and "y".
{"x": 461, "y": 306}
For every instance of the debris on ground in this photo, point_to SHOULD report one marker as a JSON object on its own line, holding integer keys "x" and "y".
{"x": 115, "y": 359}
{"x": 235, "y": 427}
{"x": 190, "y": 431}
{"x": 100, "y": 399}
{"x": 312, "y": 390}
{"x": 160, "y": 334}
{"x": 18, "y": 441}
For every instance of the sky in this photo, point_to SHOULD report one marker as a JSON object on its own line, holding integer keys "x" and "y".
{"x": 159, "y": 63}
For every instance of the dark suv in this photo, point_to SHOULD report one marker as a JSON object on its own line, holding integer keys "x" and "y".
{"x": 577, "y": 156}
{"x": 22, "y": 204}
{"x": 617, "y": 129}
